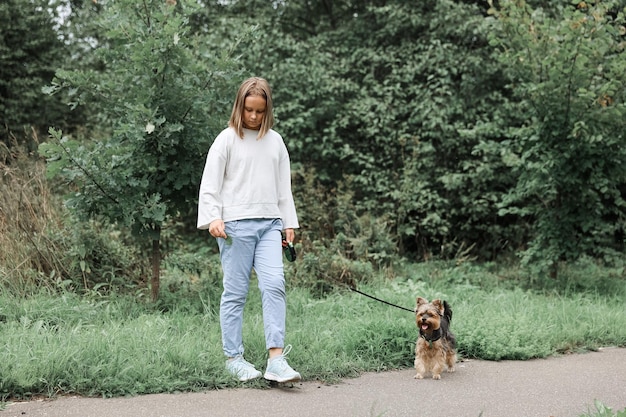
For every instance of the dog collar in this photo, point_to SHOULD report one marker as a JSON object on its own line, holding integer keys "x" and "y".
{"x": 436, "y": 335}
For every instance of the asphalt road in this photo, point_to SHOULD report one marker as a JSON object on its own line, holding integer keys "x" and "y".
{"x": 563, "y": 386}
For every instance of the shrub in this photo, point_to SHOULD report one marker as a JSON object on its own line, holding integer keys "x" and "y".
{"x": 43, "y": 246}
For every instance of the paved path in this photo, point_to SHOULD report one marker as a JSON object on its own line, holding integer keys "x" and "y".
{"x": 564, "y": 386}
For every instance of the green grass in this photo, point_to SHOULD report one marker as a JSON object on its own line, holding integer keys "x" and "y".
{"x": 603, "y": 411}
{"x": 117, "y": 345}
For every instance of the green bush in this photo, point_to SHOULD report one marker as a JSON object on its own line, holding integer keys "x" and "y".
{"x": 192, "y": 282}
{"x": 97, "y": 257}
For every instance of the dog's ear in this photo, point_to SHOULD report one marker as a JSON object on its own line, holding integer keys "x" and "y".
{"x": 420, "y": 301}
{"x": 439, "y": 306}
{"x": 447, "y": 311}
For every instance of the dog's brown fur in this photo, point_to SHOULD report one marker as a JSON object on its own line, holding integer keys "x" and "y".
{"x": 435, "y": 349}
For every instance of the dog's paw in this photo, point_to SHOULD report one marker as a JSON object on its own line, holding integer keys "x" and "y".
{"x": 436, "y": 376}
{"x": 452, "y": 369}
{"x": 418, "y": 376}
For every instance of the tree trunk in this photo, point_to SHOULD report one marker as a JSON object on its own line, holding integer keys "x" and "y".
{"x": 156, "y": 269}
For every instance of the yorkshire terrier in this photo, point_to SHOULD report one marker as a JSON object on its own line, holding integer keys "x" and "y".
{"x": 435, "y": 349}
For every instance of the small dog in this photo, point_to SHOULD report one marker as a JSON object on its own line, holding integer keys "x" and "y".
{"x": 435, "y": 349}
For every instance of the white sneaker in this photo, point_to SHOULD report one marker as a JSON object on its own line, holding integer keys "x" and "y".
{"x": 278, "y": 369}
{"x": 242, "y": 369}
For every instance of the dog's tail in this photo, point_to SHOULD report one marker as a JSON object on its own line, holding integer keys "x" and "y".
{"x": 447, "y": 311}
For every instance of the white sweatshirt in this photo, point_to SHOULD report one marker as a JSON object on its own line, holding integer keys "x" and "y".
{"x": 247, "y": 178}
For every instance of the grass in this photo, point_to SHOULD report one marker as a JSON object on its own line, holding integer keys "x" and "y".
{"x": 116, "y": 345}
{"x": 603, "y": 411}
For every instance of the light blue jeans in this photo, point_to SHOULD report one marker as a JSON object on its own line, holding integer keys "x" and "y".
{"x": 253, "y": 243}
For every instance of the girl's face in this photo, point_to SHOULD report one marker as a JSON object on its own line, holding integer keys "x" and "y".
{"x": 253, "y": 112}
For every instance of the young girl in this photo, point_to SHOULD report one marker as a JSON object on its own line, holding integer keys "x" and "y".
{"x": 245, "y": 202}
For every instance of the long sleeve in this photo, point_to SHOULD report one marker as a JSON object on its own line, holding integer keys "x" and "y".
{"x": 210, "y": 195}
{"x": 286, "y": 203}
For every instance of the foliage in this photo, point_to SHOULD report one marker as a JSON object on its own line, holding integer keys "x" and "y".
{"x": 407, "y": 107}
{"x": 157, "y": 90}
{"x": 336, "y": 246}
{"x": 42, "y": 246}
{"x": 163, "y": 97}
{"x": 28, "y": 211}
{"x": 570, "y": 73}
{"x": 444, "y": 131}
{"x": 30, "y": 52}
{"x": 194, "y": 277}
{"x": 416, "y": 111}
{"x": 98, "y": 258}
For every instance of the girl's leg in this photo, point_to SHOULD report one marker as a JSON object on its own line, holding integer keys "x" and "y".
{"x": 237, "y": 255}
{"x": 268, "y": 264}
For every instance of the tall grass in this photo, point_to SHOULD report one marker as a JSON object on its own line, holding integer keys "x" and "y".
{"x": 110, "y": 346}
{"x": 42, "y": 246}
{"x": 27, "y": 210}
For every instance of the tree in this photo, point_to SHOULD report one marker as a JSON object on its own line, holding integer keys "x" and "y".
{"x": 163, "y": 97}
{"x": 30, "y": 51}
{"x": 569, "y": 71}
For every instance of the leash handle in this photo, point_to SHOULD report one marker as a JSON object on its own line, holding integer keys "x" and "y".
{"x": 289, "y": 250}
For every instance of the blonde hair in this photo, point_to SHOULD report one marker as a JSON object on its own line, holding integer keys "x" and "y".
{"x": 253, "y": 86}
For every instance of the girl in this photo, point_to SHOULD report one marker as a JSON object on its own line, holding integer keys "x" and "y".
{"x": 245, "y": 202}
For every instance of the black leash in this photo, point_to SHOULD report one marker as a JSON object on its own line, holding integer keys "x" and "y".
{"x": 382, "y": 301}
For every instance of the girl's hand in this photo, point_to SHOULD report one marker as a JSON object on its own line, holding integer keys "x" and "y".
{"x": 216, "y": 228}
{"x": 290, "y": 235}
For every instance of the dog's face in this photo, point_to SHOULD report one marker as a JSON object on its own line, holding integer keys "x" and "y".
{"x": 428, "y": 315}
